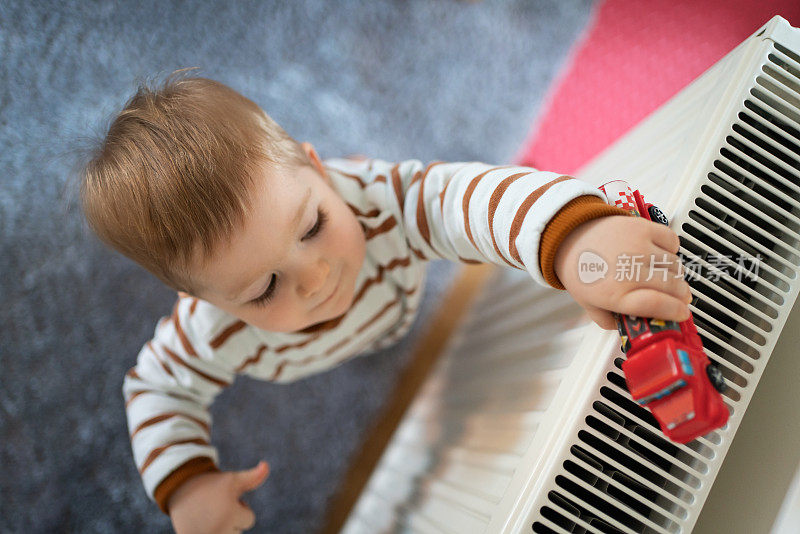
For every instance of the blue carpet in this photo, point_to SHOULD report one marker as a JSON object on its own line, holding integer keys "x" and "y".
{"x": 445, "y": 80}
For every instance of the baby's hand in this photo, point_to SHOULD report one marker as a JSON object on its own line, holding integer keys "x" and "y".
{"x": 634, "y": 241}
{"x": 210, "y": 502}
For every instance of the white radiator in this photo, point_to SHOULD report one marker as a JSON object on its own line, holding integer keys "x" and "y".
{"x": 525, "y": 423}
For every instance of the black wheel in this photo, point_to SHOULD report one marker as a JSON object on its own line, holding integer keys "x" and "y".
{"x": 656, "y": 215}
{"x": 715, "y": 377}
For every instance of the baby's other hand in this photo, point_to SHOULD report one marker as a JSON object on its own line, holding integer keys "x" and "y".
{"x": 211, "y": 502}
{"x": 632, "y": 241}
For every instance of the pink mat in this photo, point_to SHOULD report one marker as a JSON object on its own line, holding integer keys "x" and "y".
{"x": 634, "y": 56}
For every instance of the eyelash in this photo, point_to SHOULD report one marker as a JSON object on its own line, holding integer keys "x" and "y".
{"x": 264, "y": 298}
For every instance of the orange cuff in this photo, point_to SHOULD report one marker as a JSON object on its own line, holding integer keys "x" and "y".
{"x": 574, "y": 213}
{"x": 167, "y": 487}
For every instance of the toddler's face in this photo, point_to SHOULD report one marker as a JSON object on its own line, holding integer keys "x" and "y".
{"x": 295, "y": 261}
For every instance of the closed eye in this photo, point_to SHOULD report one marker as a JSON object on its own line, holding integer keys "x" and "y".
{"x": 322, "y": 218}
{"x": 266, "y": 296}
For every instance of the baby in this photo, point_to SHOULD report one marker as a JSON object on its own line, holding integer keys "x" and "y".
{"x": 286, "y": 265}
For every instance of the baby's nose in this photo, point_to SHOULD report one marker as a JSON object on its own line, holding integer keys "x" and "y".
{"x": 315, "y": 278}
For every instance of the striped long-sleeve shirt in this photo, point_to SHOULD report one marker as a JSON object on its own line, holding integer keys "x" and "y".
{"x": 410, "y": 213}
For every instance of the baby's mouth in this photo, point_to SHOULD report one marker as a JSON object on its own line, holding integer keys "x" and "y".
{"x": 333, "y": 293}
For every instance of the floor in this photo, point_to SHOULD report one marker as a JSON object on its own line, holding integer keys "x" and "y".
{"x": 446, "y": 80}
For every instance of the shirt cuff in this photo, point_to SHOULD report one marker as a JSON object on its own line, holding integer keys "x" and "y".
{"x": 167, "y": 487}
{"x": 574, "y": 213}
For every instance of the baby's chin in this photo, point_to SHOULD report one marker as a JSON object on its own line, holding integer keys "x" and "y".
{"x": 335, "y": 315}
{"x": 337, "y": 312}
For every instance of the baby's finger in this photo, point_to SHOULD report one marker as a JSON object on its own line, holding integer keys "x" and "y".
{"x": 244, "y": 518}
{"x": 668, "y": 280}
{"x": 660, "y": 260}
{"x": 603, "y": 318}
{"x": 655, "y": 269}
{"x": 664, "y": 237}
{"x": 250, "y": 479}
{"x": 646, "y": 302}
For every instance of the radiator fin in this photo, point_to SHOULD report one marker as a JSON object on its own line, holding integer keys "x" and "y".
{"x": 740, "y": 243}
{"x": 464, "y": 436}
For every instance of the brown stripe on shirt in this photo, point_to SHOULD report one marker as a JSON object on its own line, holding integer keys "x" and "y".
{"x": 132, "y": 373}
{"x": 278, "y": 370}
{"x": 358, "y": 213}
{"x": 468, "y": 195}
{"x": 167, "y": 393}
{"x": 465, "y": 204}
{"x": 369, "y": 322}
{"x": 336, "y": 347}
{"x": 354, "y": 177}
{"x": 187, "y": 346}
{"x": 441, "y": 206}
{"x": 377, "y": 316}
{"x": 519, "y": 217}
{"x": 223, "y": 336}
{"x": 418, "y": 253}
{"x": 441, "y": 196}
{"x": 169, "y": 415}
{"x": 159, "y": 359}
{"x": 252, "y": 360}
{"x": 155, "y": 453}
{"x": 384, "y": 227}
{"x": 397, "y": 185}
{"x": 378, "y": 278}
{"x": 298, "y": 345}
{"x": 136, "y": 394}
{"x": 396, "y": 262}
{"x": 422, "y": 218}
{"x": 494, "y": 200}
{"x": 365, "y": 325}
{"x": 198, "y": 372}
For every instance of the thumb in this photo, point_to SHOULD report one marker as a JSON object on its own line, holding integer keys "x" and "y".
{"x": 250, "y": 479}
{"x": 603, "y": 318}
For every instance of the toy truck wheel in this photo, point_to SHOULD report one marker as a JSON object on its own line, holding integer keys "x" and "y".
{"x": 715, "y": 377}
{"x": 656, "y": 215}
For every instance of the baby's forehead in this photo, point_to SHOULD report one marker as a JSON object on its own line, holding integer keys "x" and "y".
{"x": 285, "y": 187}
{"x": 282, "y": 176}
{"x": 282, "y": 199}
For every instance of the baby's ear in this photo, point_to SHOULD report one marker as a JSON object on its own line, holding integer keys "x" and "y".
{"x": 308, "y": 148}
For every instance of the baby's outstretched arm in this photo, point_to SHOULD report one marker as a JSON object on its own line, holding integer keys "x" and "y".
{"x": 534, "y": 220}
{"x": 472, "y": 212}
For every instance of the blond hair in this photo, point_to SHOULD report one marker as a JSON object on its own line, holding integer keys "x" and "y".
{"x": 175, "y": 173}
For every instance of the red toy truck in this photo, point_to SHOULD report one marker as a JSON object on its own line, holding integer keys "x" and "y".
{"x": 666, "y": 369}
